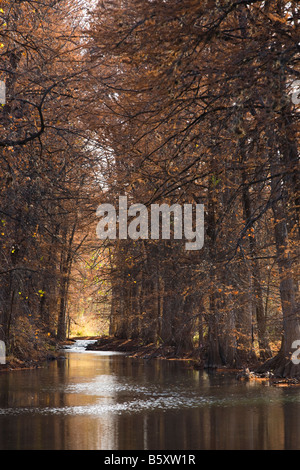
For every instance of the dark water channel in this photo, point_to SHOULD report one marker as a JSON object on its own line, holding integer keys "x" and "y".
{"x": 108, "y": 401}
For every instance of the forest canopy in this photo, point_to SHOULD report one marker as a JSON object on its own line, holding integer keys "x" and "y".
{"x": 164, "y": 102}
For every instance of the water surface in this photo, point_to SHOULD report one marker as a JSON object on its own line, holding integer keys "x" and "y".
{"x": 109, "y": 401}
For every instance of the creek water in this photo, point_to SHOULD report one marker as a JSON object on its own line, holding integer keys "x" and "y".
{"x": 108, "y": 401}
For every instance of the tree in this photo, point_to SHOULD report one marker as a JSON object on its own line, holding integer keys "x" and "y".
{"x": 46, "y": 166}
{"x": 196, "y": 106}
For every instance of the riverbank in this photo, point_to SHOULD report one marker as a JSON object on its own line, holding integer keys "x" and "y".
{"x": 134, "y": 348}
{"x": 33, "y": 358}
{"x": 14, "y": 363}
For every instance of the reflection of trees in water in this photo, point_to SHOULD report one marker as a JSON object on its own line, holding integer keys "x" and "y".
{"x": 91, "y": 401}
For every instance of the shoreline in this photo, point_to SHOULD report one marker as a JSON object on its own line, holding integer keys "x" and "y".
{"x": 133, "y": 348}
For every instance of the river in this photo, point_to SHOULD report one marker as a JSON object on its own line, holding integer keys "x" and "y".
{"x": 108, "y": 401}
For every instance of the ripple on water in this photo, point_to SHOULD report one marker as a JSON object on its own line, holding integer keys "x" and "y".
{"x": 174, "y": 401}
{"x": 162, "y": 403}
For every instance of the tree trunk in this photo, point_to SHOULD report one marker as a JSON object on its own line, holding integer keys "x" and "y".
{"x": 66, "y": 264}
{"x": 282, "y": 364}
{"x": 257, "y": 297}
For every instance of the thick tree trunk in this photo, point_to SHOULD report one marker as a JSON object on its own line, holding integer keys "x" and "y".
{"x": 66, "y": 264}
{"x": 290, "y": 308}
{"x": 135, "y": 310}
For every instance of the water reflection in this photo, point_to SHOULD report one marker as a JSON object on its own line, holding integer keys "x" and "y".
{"x": 109, "y": 401}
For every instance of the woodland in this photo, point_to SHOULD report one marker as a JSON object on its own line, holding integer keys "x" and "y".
{"x": 162, "y": 101}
